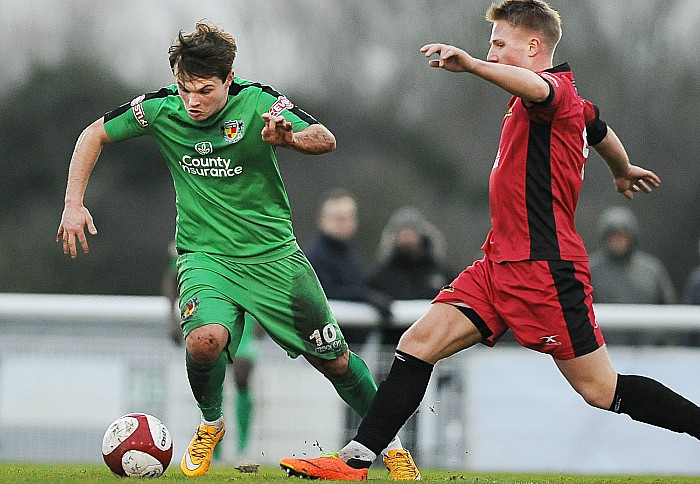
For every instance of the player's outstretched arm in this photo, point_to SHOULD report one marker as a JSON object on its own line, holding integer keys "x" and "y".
{"x": 629, "y": 179}
{"x": 518, "y": 81}
{"x": 315, "y": 139}
{"x": 75, "y": 217}
{"x": 450, "y": 58}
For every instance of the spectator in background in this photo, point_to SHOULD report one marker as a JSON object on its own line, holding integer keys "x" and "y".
{"x": 691, "y": 292}
{"x": 333, "y": 256}
{"x": 409, "y": 262}
{"x": 622, "y": 273}
{"x": 243, "y": 365}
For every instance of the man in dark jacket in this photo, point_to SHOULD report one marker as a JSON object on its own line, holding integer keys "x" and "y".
{"x": 334, "y": 258}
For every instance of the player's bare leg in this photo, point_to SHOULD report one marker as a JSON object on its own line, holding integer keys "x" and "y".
{"x": 205, "y": 344}
{"x": 642, "y": 398}
{"x": 330, "y": 368}
{"x": 592, "y": 376}
{"x": 441, "y": 332}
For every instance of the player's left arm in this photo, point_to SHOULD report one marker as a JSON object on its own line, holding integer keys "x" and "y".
{"x": 629, "y": 179}
{"x": 315, "y": 139}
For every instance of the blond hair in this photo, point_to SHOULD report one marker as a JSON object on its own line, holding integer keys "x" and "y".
{"x": 534, "y": 15}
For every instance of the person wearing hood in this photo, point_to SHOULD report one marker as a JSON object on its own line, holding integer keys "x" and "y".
{"x": 409, "y": 261}
{"x": 620, "y": 271}
{"x": 624, "y": 274}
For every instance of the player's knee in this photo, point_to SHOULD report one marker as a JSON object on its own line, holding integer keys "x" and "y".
{"x": 597, "y": 396}
{"x": 205, "y": 344}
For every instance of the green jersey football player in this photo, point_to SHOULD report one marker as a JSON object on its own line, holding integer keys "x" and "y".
{"x": 237, "y": 252}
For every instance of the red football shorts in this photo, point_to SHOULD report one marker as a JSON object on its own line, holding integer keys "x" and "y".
{"x": 547, "y": 304}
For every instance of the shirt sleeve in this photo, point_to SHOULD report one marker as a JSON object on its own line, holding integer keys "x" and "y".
{"x": 596, "y": 128}
{"x": 545, "y": 110}
{"x": 278, "y": 105}
{"x": 136, "y": 117}
{"x": 126, "y": 121}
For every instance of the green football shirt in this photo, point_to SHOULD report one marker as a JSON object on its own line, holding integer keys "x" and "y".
{"x": 229, "y": 193}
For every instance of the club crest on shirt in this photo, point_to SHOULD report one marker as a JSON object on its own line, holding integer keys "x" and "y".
{"x": 232, "y": 130}
{"x": 189, "y": 308}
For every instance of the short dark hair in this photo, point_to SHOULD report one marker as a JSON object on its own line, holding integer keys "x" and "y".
{"x": 534, "y": 15}
{"x": 207, "y": 52}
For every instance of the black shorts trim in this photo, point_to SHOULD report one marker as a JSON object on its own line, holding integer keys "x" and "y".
{"x": 477, "y": 321}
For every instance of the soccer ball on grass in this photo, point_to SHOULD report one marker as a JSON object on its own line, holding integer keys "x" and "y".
{"x": 137, "y": 445}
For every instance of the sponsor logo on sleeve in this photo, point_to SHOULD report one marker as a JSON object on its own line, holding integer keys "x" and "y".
{"x": 137, "y": 108}
{"x": 280, "y": 105}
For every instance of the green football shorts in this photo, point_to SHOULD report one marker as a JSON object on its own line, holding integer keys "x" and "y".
{"x": 284, "y": 296}
{"x": 247, "y": 348}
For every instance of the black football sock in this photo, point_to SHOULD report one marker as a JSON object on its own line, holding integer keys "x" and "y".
{"x": 646, "y": 400}
{"x": 397, "y": 398}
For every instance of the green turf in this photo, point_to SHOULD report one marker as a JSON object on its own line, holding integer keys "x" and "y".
{"x": 64, "y": 473}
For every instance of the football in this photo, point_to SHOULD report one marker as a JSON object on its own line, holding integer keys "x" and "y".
{"x": 137, "y": 445}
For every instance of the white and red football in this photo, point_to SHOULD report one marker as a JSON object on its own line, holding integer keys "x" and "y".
{"x": 137, "y": 445}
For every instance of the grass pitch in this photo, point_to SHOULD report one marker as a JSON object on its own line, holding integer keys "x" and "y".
{"x": 95, "y": 473}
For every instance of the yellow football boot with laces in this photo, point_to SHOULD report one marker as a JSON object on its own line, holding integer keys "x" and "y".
{"x": 199, "y": 453}
{"x": 401, "y": 465}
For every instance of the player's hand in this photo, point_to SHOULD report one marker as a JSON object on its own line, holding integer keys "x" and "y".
{"x": 636, "y": 179}
{"x": 71, "y": 230}
{"x": 277, "y": 130}
{"x": 449, "y": 58}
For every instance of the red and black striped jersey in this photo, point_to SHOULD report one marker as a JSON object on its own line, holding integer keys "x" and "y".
{"x": 538, "y": 172}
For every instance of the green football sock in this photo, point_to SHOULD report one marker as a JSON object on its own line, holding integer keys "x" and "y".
{"x": 244, "y": 413}
{"x": 356, "y": 387}
{"x": 207, "y": 384}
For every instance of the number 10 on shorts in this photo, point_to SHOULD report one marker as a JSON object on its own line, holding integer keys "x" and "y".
{"x": 326, "y": 338}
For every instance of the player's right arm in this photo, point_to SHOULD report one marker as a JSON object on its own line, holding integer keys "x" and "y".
{"x": 518, "y": 81}
{"x": 76, "y": 216}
